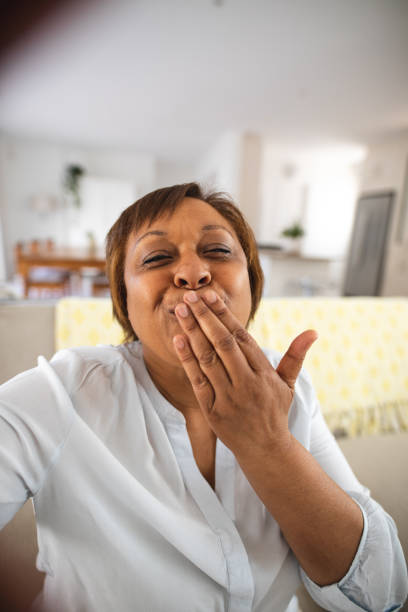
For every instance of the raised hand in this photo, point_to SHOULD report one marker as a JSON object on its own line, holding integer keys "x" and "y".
{"x": 244, "y": 399}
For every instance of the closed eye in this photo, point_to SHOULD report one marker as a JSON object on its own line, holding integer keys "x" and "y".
{"x": 218, "y": 250}
{"x": 163, "y": 257}
{"x": 156, "y": 258}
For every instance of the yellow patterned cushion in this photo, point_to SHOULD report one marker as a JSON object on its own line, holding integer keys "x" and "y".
{"x": 359, "y": 364}
{"x": 85, "y": 322}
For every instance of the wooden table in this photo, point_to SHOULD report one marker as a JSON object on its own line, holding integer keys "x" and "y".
{"x": 70, "y": 260}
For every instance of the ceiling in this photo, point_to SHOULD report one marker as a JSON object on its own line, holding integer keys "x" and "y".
{"x": 167, "y": 77}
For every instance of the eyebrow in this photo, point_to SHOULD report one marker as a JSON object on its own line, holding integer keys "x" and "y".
{"x": 150, "y": 233}
{"x": 205, "y": 228}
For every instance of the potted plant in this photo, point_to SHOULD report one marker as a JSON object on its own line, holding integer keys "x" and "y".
{"x": 293, "y": 235}
{"x": 73, "y": 174}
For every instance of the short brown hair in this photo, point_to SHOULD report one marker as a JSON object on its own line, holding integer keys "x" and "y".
{"x": 146, "y": 210}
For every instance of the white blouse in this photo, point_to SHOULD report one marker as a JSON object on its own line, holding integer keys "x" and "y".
{"x": 125, "y": 519}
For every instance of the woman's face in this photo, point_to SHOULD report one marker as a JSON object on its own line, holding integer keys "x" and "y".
{"x": 195, "y": 248}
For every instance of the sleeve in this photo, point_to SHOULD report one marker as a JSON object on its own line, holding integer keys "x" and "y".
{"x": 35, "y": 418}
{"x": 377, "y": 577}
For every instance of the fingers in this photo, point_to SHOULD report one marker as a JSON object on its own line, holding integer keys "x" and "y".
{"x": 213, "y": 344}
{"x": 205, "y": 323}
{"x": 202, "y": 388}
{"x": 199, "y": 349}
{"x": 292, "y": 361}
{"x": 253, "y": 354}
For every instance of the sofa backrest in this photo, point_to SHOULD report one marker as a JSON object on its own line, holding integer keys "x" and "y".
{"x": 26, "y": 331}
{"x": 359, "y": 364}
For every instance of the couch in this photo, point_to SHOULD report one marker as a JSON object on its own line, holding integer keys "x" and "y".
{"x": 359, "y": 366}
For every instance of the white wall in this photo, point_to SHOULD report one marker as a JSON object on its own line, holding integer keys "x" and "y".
{"x": 219, "y": 167}
{"x": 250, "y": 176}
{"x": 102, "y": 201}
{"x": 318, "y": 188}
{"x": 32, "y": 167}
{"x": 3, "y": 273}
{"x": 283, "y": 193}
{"x": 233, "y": 165}
{"x": 171, "y": 173}
{"x": 329, "y": 210}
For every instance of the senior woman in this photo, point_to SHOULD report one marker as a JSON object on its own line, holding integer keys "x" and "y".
{"x": 187, "y": 470}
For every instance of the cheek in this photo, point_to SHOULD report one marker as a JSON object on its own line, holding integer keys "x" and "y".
{"x": 143, "y": 299}
{"x": 241, "y": 291}
{"x": 139, "y": 292}
{"x": 242, "y": 281}
{"x": 137, "y": 301}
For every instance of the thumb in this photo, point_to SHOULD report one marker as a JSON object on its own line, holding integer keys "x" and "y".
{"x": 292, "y": 361}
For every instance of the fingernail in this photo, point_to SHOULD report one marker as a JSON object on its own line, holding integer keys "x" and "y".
{"x": 178, "y": 342}
{"x": 182, "y": 310}
{"x": 191, "y": 296}
{"x": 210, "y": 296}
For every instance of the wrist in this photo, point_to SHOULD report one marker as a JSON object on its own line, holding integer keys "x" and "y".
{"x": 273, "y": 451}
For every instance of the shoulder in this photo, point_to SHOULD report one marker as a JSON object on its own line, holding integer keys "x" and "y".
{"x": 71, "y": 365}
{"x": 103, "y": 354}
{"x": 79, "y": 381}
{"x": 75, "y": 365}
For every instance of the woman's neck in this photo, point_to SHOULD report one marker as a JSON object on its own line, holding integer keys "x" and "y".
{"x": 173, "y": 383}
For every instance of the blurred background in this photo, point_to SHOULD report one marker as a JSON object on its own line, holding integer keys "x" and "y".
{"x": 298, "y": 109}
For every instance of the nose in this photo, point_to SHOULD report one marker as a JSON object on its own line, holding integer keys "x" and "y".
{"x": 192, "y": 273}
